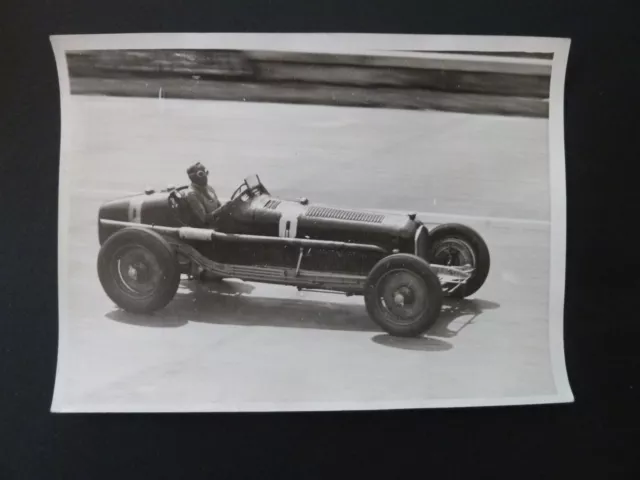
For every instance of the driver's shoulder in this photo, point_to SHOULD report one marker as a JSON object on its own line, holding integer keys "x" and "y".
{"x": 191, "y": 193}
{"x": 193, "y": 189}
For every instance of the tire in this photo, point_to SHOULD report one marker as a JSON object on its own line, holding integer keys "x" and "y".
{"x": 138, "y": 270}
{"x": 461, "y": 237}
{"x": 391, "y": 275}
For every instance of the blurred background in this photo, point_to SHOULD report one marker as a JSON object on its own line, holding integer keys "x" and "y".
{"x": 502, "y": 83}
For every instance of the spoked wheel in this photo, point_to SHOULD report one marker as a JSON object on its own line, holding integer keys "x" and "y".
{"x": 138, "y": 270}
{"x": 403, "y": 295}
{"x": 455, "y": 245}
{"x": 454, "y": 252}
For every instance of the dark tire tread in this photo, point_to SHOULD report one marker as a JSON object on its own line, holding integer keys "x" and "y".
{"x": 421, "y": 268}
{"x": 163, "y": 252}
{"x": 481, "y": 252}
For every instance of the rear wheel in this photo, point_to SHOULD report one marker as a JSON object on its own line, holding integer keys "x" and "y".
{"x": 138, "y": 270}
{"x": 403, "y": 296}
{"x": 458, "y": 246}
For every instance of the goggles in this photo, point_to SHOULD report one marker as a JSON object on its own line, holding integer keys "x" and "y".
{"x": 202, "y": 173}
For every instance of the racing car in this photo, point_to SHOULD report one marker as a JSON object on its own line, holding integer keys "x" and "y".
{"x": 403, "y": 270}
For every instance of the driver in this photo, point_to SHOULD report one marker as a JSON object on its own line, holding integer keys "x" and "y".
{"x": 201, "y": 196}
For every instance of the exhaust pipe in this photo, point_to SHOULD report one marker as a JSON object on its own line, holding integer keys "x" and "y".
{"x": 205, "y": 234}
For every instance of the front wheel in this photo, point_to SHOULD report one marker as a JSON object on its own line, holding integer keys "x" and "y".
{"x": 403, "y": 296}
{"x": 457, "y": 245}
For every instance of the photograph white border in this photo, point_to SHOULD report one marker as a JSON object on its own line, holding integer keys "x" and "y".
{"x": 336, "y": 43}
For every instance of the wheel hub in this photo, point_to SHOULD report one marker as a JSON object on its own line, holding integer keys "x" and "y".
{"x": 132, "y": 272}
{"x": 454, "y": 252}
{"x": 399, "y": 299}
{"x": 138, "y": 272}
{"x": 403, "y": 297}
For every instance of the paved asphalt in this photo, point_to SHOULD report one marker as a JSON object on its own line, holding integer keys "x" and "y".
{"x": 252, "y": 346}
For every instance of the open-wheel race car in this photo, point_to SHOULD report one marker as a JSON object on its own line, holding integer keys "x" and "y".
{"x": 400, "y": 267}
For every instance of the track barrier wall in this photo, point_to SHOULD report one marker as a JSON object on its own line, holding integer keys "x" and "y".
{"x": 471, "y": 83}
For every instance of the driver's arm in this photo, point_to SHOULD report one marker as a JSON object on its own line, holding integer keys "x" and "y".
{"x": 197, "y": 207}
{"x": 213, "y": 216}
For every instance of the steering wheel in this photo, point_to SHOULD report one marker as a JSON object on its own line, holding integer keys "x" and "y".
{"x": 237, "y": 192}
{"x": 176, "y": 206}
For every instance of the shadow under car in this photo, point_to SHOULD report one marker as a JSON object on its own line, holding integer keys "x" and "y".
{"x": 231, "y": 303}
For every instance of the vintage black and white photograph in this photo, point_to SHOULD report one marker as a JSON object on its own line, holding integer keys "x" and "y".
{"x": 280, "y": 222}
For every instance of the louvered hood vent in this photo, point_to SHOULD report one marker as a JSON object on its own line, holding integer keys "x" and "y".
{"x": 272, "y": 204}
{"x": 348, "y": 215}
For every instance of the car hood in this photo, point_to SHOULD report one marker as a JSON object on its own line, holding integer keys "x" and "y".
{"x": 320, "y": 216}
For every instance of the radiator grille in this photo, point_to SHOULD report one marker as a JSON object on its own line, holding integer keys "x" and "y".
{"x": 272, "y": 204}
{"x": 350, "y": 215}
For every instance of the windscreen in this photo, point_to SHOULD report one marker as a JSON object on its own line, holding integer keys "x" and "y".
{"x": 252, "y": 181}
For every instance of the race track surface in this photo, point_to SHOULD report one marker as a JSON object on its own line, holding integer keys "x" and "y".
{"x": 240, "y": 345}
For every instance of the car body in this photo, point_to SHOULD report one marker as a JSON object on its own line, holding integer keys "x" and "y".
{"x": 155, "y": 238}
